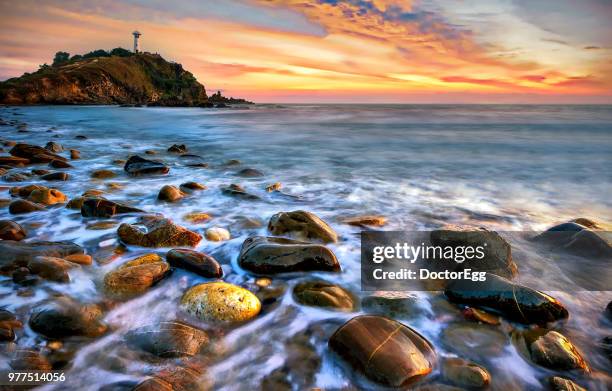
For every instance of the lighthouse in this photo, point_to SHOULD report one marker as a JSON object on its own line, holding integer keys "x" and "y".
{"x": 136, "y": 35}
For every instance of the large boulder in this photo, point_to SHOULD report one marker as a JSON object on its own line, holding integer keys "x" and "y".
{"x": 514, "y": 302}
{"x": 64, "y": 317}
{"x": 168, "y": 339}
{"x": 10, "y": 230}
{"x": 220, "y": 302}
{"x": 160, "y": 233}
{"x": 385, "y": 351}
{"x": 549, "y": 349}
{"x": 303, "y": 225}
{"x": 497, "y": 252}
{"x": 34, "y": 153}
{"x": 269, "y": 255}
{"x": 136, "y": 276}
{"x": 194, "y": 261}
{"x": 136, "y": 166}
{"x": 324, "y": 294}
{"x": 581, "y": 237}
{"x": 100, "y": 207}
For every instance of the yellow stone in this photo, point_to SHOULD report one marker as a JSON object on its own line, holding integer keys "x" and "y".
{"x": 220, "y": 301}
{"x": 217, "y": 234}
{"x": 197, "y": 217}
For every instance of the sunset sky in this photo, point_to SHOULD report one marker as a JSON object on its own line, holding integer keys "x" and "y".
{"x": 490, "y": 51}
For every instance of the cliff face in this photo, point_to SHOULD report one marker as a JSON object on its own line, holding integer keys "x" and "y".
{"x": 139, "y": 79}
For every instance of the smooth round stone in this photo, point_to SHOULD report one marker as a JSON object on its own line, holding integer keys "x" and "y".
{"x": 474, "y": 341}
{"x": 103, "y": 174}
{"x": 168, "y": 339}
{"x": 10, "y": 230}
{"x": 136, "y": 276}
{"x": 550, "y": 349}
{"x": 323, "y": 294}
{"x": 195, "y": 261}
{"x": 47, "y": 196}
{"x": 465, "y": 374}
{"x": 217, "y": 234}
{"x": 170, "y": 193}
{"x": 23, "y": 206}
{"x": 220, "y": 301}
{"x": 304, "y": 225}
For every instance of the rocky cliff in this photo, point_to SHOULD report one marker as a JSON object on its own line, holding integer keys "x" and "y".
{"x": 141, "y": 78}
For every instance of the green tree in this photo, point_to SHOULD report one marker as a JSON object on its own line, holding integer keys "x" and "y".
{"x": 96, "y": 53}
{"x": 121, "y": 52}
{"x": 60, "y": 58}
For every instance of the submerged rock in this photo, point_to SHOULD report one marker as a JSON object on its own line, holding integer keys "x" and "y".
{"x": 47, "y": 196}
{"x": 366, "y": 220}
{"x": 74, "y": 154}
{"x": 55, "y": 176}
{"x": 29, "y": 360}
{"x": 385, "y": 351}
{"x": 21, "y": 253}
{"x": 65, "y": 317}
{"x": 560, "y": 384}
{"x": 34, "y": 153}
{"x": 51, "y": 268}
{"x": 549, "y": 349}
{"x": 160, "y": 233}
{"x": 10, "y": 230}
{"x": 220, "y": 301}
{"x": 170, "y": 194}
{"x": 465, "y": 373}
{"x": 189, "y": 187}
{"x": 514, "y": 302}
{"x": 475, "y": 341}
{"x": 168, "y": 339}
{"x": 268, "y": 255}
{"x": 136, "y": 276}
{"x": 23, "y": 206}
{"x": 238, "y": 191}
{"x": 393, "y": 304}
{"x": 196, "y": 262}
{"x": 249, "y": 173}
{"x": 136, "y": 166}
{"x": 304, "y": 225}
{"x": 54, "y": 147}
{"x": 13, "y": 161}
{"x": 103, "y": 174}
{"x": 175, "y": 379}
{"x": 324, "y": 294}
{"x": 60, "y": 164}
{"x": 99, "y": 207}
{"x": 178, "y": 148}
{"x": 8, "y": 324}
{"x": 585, "y": 239}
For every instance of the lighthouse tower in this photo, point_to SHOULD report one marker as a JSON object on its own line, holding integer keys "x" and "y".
{"x": 136, "y": 35}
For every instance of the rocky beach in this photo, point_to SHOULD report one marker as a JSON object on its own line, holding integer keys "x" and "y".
{"x": 148, "y": 248}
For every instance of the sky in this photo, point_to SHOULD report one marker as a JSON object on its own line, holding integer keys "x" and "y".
{"x": 352, "y": 51}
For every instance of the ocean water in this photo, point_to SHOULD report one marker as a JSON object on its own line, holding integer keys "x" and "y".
{"x": 504, "y": 167}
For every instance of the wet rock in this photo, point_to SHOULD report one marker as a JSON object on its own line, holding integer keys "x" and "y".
{"x": 55, "y": 176}
{"x": 247, "y": 222}
{"x": 175, "y": 379}
{"x": 103, "y": 174}
{"x": 473, "y": 340}
{"x": 8, "y": 324}
{"x": 606, "y": 346}
{"x": 232, "y": 162}
{"x": 549, "y": 349}
{"x": 220, "y": 301}
{"x": 47, "y": 196}
{"x": 217, "y": 234}
{"x": 609, "y": 311}
{"x": 13, "y": 161}
{"x": 274, "y": 187}
{"x": 20, "y": 253}
{"x": 323, "y": 294}
{"x": 64, "y": 317}
{"x": 304, "y": 225}
{"x": 560, "y": 384}
{"x": 170, "y": 193}
{"x": 23, "y": 276}
{"x": 189, "y": 187}
{"x": 197, "y": 217}
{"x": 514, "y": 302}
{"x": 393, "y": 305}
{"x": 477, "y": 315}
{"x": 136, "y": 276}
{"x": 40, "y": 172}
{"x": 25, "y": 191}
{"x": 160, "y": 233}
{"x": 10, "y": 230}
{"x": 60, "y": 164}
{"x": 238, "y": 191}
{"x": 577, "y": 239}
{"x": 136, "y": 166}
{"x": 79, "y": 259}
{"x": 29, "y": 360}
{"x": 168, "y": 339}
{"x": 15, "y": 177}
{"x": 76, "y": 203}
{"x": 93, "y": 193}
{"x": 465, "y": 373}
{"x": 196, "y": 262}
{"x": 385, "y": 351}
{"x": 366, "y": 220}
{"x": 268, "y": 255}
{"x": 99, "y": 207}
{"x": 34, "y": 153}
{"x": 74, "y": 154}
{"x": 497, "y": 252}
{"x": 150, "y": 152}
{"x": 80, "y": 137}
{"x": 249, "y": 173}
{"x": 178, "y": 148}
{"x": 54, "y": 147}
{"x": 23, "y": 206}
{"x": 51, "y": 268}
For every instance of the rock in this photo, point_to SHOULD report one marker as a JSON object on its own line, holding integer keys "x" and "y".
{"x": 15, "y": 177}
{"x": 8, "y": 324}
{"x": 232, "y": 162}
{"x": 29, "y": 360}
{"x": 274, "y": 187}
{"x": 103, "y": 174}
{"x": 176, "y": 148}
{"x": 54, "y": 147}
{"x": 13, "y": 161}
{"x": 175, "y": 379}
{"x": 238, "y": 191}
{"x": 93, "y": 193}
{"x": 393, "y": 305}
{"x": 361, "y": 221}
{"x": 136, "y": 165}
{"x": 161, "y": 233}
{"x": 65, "y": 317}
{"x": 497, "y": 252}
{"x": 268, "y": 255}
{"x": 323, "y": 294}
{"x": 21, "y": 253}
{"x": 249, "y": 173}
{"x": 74, "y": 154}
{"x": 60, "y": 164}
{"x": 473, "y": 340}
{"x": 76, "y": 203}
{"x": 170, "y": 194}
{"x": 188, "y": 187}
{"x": 40, "y": 172}
{"x": 79, "y": 259}
{"x": 34, "y": 153}
{"x": 220, "y": 302}
{"x": 304, "y": 225}
{"x": 80, "y": 137}
{"x": 606, "y": 346}
{"x": 514, "y": 302}
{"x": 22, "y": 206}
{"x": 560, "y": 384}
{"x": 549, "y": 349}
{"x": 51, "y": 268}
{"x": 609, "y": 311}
{"x": 25, "y": 191}
{"x": 168, "y": 339}
{"x": 55, "y": 176}
{"x": 136, "y": 276}
{"x": 197, "y": 217}
{"x": 150, "y": 152}
{"x": 385, "y": 351}
{"x": 194, "y": 261}
{"x": 10, "y": 230}
{"x": 99, "y": 207}
{"x": 217, "y": 234}
{"x": 465, "y": 373}
{"x": 480, "y": 316}
{"x": 577, "y": 239}
{"x": 22, "y": 276}
{"x": 47, "y": 196}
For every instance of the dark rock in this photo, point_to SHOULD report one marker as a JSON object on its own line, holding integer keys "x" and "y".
{"x": 21, "y": 253}
{"x": 323, "y": 294}
{"x": 268, "y": 255}
{"x": 170, "y": 193}
{"x": 168, "y": 339}
{"x": 103, "y": 174}
{"x": 15, "y": 177}
{"x": 385, "y": 351}
{"x": 606, "y": 346}
{"x": 195, "y": 261}
{"x": 188, "y": 187}
{"x": 10, "y": 230}
{"x": 29, "y": 360}
{"x": 80, "y": 137}
{"x": 136, "y": 276}
{"x": 74, "y": 154}
{"x": 465, "y": 373}
{"x": 23, "y": 276}
{"x": 175, "y": 379}
{"x": 578, "y": 239}
{"x": 560, "y": 384}
{"x": 34, "y": 153}
{"x": 13, "y": 161}
{"x": 393, "y": 305}
{"x": 23, "y": 206}
{"x": 473, "y": 340}
{"x": 98, "y": 207}
{"x": 8, "y": 324}
{"x": 304, "y": 225}
{"x": 24, "y": 191}
{"x": 514, "y": 302}
{"x": 39, "y": 172}
{"x": 160, "y": 233}
{"x": 54, "y": 147}
{"x": 249, "y": 173}
{"x": 60, "y": 164}
{"x": 64, "y": 317}
{"x": 136, "y": 165}
{"x": 176, "y": 148}
{"x": 549, "y": 349}
{"x": 238, "y": 191}
{"x": 55, "y": 176}
{"x": 51, "y": 268}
